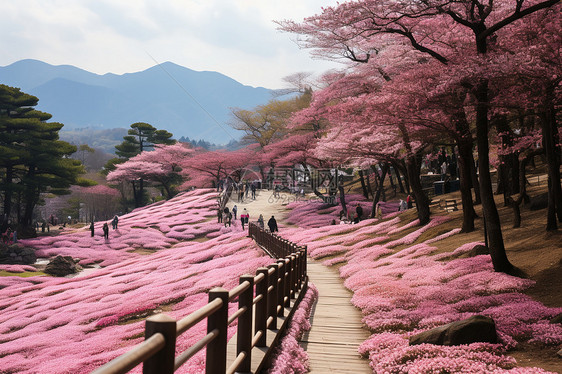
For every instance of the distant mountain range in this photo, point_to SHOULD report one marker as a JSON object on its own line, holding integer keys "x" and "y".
{"x": 195, "y": 104}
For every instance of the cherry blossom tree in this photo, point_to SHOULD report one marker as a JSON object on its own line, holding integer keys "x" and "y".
{"x": 161, "y": 166}
{"x": 441, "y": 30}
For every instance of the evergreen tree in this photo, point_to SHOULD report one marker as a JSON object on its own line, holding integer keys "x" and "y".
{"x": 141, "y": 137}
{"x": 32, "y": 158}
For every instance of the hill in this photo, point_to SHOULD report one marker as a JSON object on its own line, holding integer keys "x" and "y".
{"x": 404, "y": 278}
{"x": 185, "y": 102}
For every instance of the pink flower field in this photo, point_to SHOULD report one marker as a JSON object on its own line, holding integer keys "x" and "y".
{"x": 151, "y": 264}
{"x": 74, "y": 325}
{"x": 403, "y": 292}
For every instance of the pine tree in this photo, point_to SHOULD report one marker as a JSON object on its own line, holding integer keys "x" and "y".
{"x": 32, "y": 158}
{"x": 141, "y": 137}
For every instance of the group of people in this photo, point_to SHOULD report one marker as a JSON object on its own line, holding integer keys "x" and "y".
{"x": 225, "y": 216}
{"x": 351, "y": 218}
{"x": 245, "y": 188}
{"x": 105, "y": 227}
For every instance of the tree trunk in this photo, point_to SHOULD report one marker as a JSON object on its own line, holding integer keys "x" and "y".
{"x": 342, "y": 198}
{"x": 363, "y": 185}
{"x": 464, "y": 144}
{"x": 369, "y": 189}
{"x": 31, "y": 195}
{"x": 8, "y": 195}
{"x": 377, "y": 196}
{"x": 489, "y": 209}
{"x": 402, "y": 167}
{"x": 422, "y": 202}
{"x": 551, "y": 139}
{"x": 475, "y": 181}
{"x": 398, "y": 177}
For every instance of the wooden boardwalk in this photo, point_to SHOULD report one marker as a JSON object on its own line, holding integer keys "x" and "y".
{"x": 336, "y": 329}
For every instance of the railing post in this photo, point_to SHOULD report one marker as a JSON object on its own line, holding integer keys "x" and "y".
{"x": 287, "y": 292}
{"x": 261, "y": 307}
{"x": 216, "y": 349}
{"x": 272, "y": 298}
{"x": 293, "y": 275}
{"x": 281, "y": 289}
{"x": 297, "y": 269}
{"x": 244, "y": 335}
{"x": 305, "y": 260}
{"x": 163, "y": 361}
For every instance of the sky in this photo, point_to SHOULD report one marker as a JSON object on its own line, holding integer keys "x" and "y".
{"x": 237, "y": 38}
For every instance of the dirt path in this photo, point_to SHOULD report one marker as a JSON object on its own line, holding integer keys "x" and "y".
{"x": 264, "y": 204}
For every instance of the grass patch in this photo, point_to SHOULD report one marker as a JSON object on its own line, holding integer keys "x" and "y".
{"x": 25, "y": 274}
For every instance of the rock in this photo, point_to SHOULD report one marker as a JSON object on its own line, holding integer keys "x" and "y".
{"x": 474, "y": 329}
{"x": 556, "y": 319}
{"x": 61, "y": 266}
{"x": 478, "y": 250}
{"x": 17, "y": 254}
{"x": 539, "y": 202}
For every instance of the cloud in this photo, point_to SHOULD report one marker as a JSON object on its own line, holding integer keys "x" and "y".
{"x": 235, "y": 37}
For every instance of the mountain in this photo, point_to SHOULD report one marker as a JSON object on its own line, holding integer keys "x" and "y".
{"x": 195, "y": 104}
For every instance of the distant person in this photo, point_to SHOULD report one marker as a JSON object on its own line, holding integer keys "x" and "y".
{"x": 219, "y": 215}
{"x": 333, "y": 222}
{"x": 106, "y": 230}
{"x": 359, "y": 211}
{"x": 234, "y": 211}
{"x": 409, "y": 202}
{"x": 244, "y": 217}
{"x": 253, "y": 188}
{"x": 261, "y": 223}
{"x": 91, "y": 228}
{"x": 114, "y": 222}
{"x": 272, "y": 223}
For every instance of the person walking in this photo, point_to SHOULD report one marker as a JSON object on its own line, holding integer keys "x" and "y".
{"x": 106, "y": 230}
{"x": 272, "y": 223}
{"x": 261, "y": 223}
{"x": 91, "y": 228}
{"x": 253, "y": 187}
{"x": 234, "y": 211}
{"x": 219, "y": 215}
{"x": 114, "y": 222}
{"x": 244, "y": 217}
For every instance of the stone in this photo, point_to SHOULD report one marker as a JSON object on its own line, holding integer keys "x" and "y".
{"x": 478, "y": 250}
{"x": 61, "y": 266}
{"x": 471, "y": 330}
{"x": 16, "y": 254}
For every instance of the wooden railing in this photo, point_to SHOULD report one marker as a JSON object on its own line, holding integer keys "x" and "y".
{"x": 262, "y": 317}
{"x": 272, "y": 243}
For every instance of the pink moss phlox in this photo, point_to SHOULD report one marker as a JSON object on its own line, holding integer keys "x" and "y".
{"x": 75, "y": 325}
{"x": 17, "y": 268}
{"x": 291, "y": 357}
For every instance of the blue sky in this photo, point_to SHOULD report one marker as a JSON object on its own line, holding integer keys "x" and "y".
{"x": 235, "y": 37}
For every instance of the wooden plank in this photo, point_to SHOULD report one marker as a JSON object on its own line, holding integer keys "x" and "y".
{"x": 336, "y": 327}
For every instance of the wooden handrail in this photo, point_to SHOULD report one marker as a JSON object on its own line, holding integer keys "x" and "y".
{"x": 267, "y": 294}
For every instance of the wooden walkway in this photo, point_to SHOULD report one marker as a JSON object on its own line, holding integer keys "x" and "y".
{"x": 336, "y": 329}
